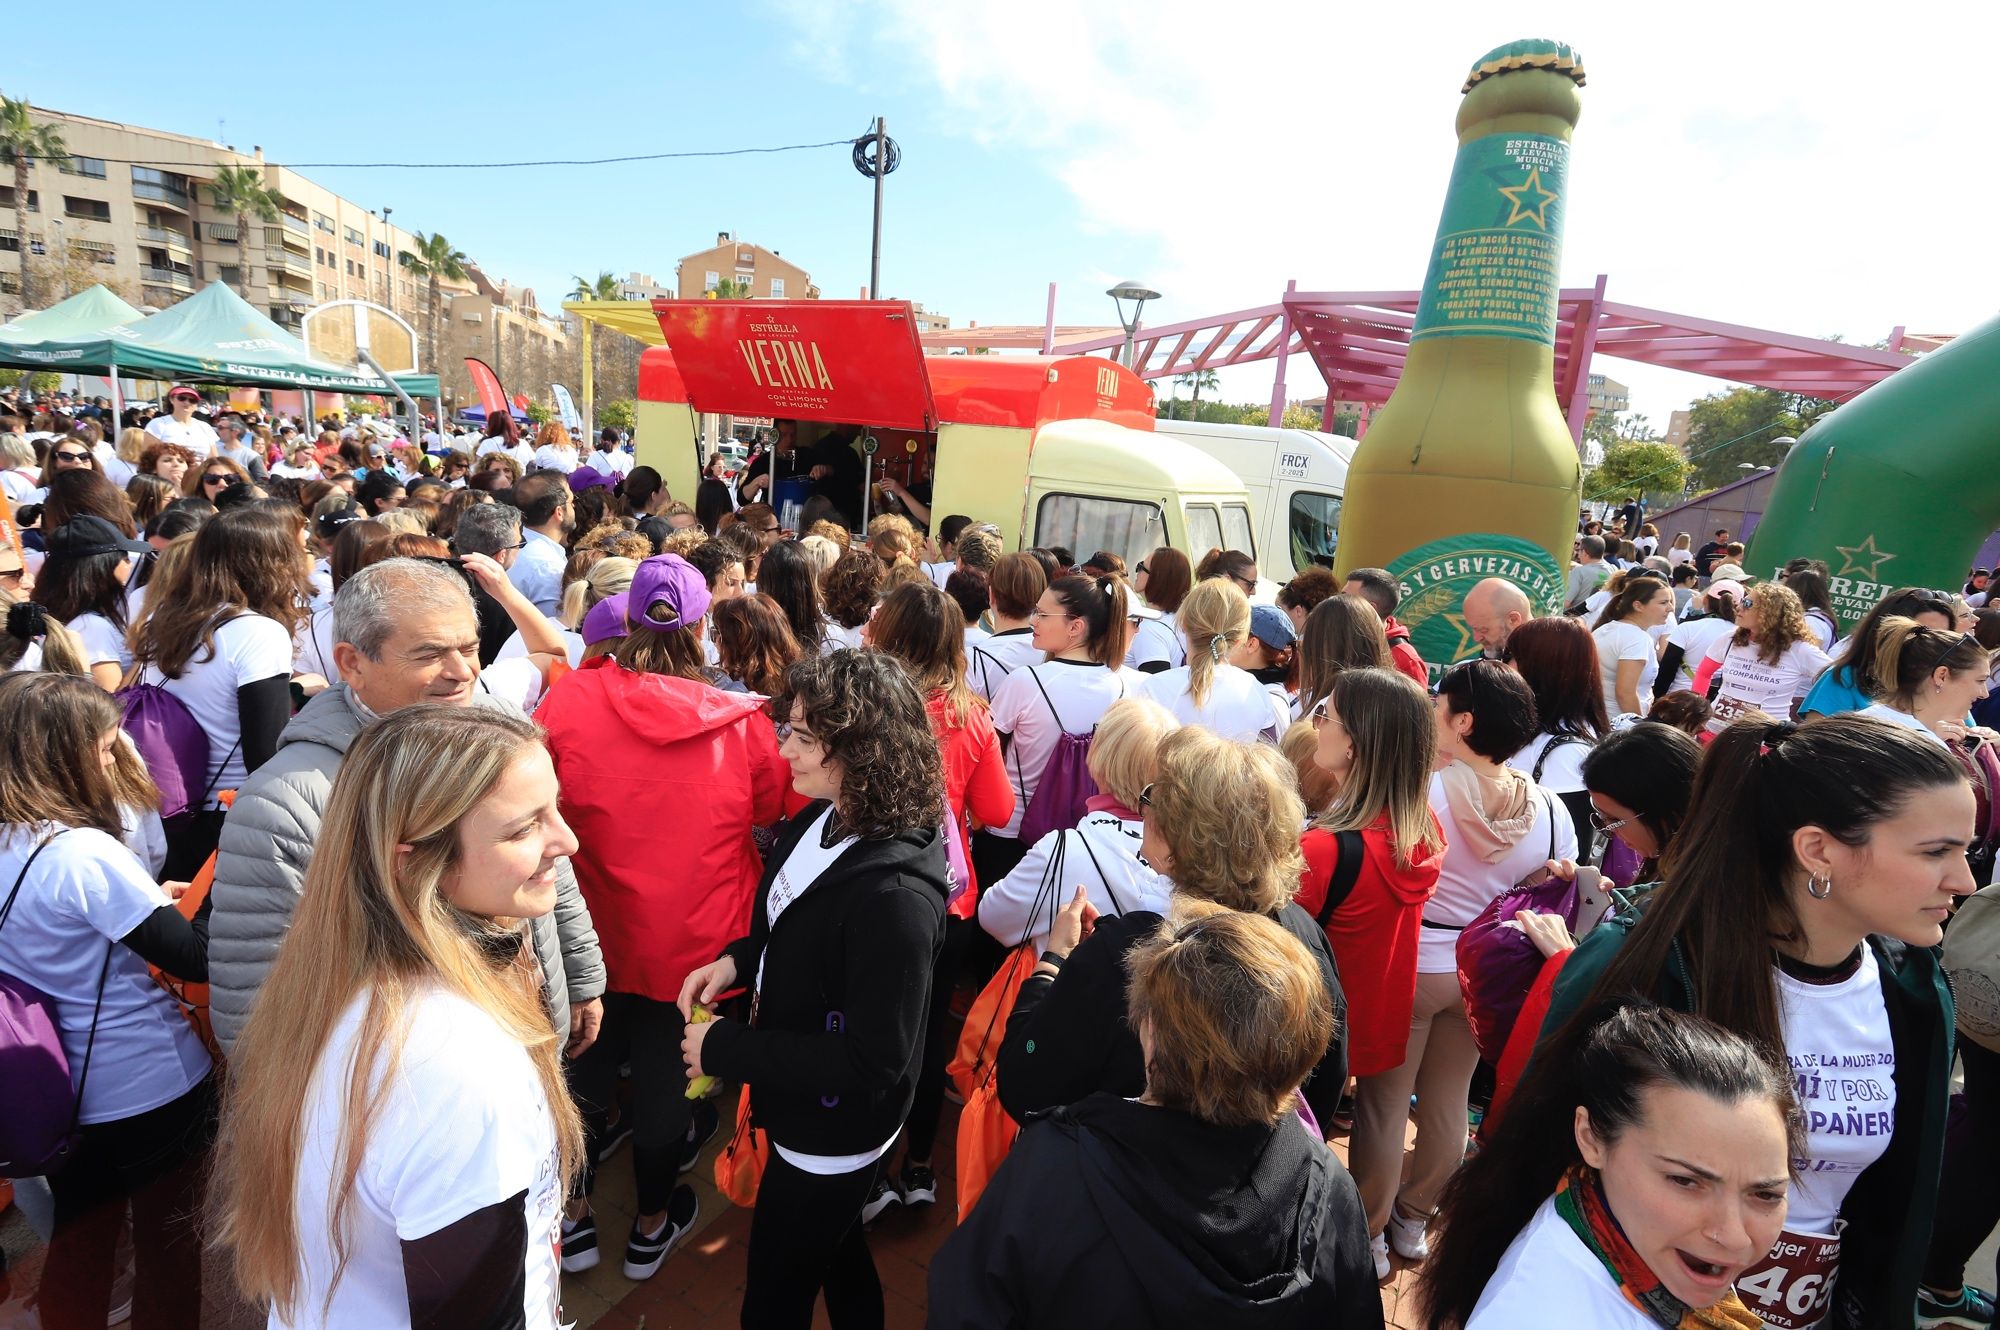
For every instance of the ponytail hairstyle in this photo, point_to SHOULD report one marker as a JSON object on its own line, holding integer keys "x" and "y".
{"x": 1214, "y": 618}
{"x": 1341, "y": 633}
{"x": 1727, "y": 892}
{"x": 1907, "y": 654}
{"x": 1857, "y": 667}
{"x": 1106, "y": 613}
{"x": 1635, "y": 587}
{"x": 27, "y": 623}
{"x": 1225, "y": 563}
{"x": 1607, "y": 1060}
{"x": 1389, "y": 719}
{"x": 1721, "y": 604}
{"x": 923, "y": 628}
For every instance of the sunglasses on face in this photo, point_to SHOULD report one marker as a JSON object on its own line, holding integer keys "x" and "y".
{"x": 73, "y": 458}
{"x": 1146, "y": 795}
{"x": 222, "y": 478}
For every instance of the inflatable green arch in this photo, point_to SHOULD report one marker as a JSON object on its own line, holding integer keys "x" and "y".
{"x": 1899, "y": 487}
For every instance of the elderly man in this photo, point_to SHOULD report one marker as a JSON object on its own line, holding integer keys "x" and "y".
{"x": 404, "y": 633}
{"x": 232, "y": 442}
{"x": 1494, "y": 608}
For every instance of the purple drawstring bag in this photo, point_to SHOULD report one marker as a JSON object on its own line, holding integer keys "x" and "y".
{"x": 1498, "y": 963}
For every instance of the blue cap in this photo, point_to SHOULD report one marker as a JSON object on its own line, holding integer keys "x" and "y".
{"x": 1272, "y": 626}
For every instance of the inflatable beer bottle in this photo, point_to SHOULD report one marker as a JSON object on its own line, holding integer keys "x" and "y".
{"x": 1469, "y": 471}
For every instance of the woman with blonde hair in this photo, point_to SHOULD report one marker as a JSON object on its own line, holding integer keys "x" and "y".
{"x": 1341, "y": 633}
{"x": 1230, "y": 1012}
{"x": 1768, "y": 664}
{"x": 1372, "y": 864}
{"x": 123, "y": 464}
{"x": 822, "y": 553}
{"x": 82, "y": 920}
{"x": 398, "y": 1133}
{"x": 1208, "y": 690}
{"x": 1222, "y": 824}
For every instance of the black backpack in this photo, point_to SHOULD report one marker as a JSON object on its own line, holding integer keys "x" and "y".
{"x": 1346, "y": 872}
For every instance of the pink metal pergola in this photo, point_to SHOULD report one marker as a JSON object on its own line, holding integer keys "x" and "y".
{"x": 1358, "y": 340}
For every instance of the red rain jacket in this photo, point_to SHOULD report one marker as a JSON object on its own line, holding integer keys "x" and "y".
{"x": 662, "y": 780}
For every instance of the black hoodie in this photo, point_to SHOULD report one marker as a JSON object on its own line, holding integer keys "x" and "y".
{"x": 832, "y": 1055}
{"x": 1110, "y": 1213}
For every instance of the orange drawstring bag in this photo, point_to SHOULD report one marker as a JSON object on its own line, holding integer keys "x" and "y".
{"x": 740, "y": 1167}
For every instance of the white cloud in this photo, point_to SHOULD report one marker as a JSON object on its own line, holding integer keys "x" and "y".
{"x": 1815, "y": 171}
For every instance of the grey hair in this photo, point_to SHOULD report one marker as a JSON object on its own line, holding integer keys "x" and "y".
{"x": 369, "y": 604}
{"x": 487, "y": 528}
{"x": 15, "y": 450}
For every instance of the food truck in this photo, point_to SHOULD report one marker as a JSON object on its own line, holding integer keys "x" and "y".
{"x": 1051, "y": 450}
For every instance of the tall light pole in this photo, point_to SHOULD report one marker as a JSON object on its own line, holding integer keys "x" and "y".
{"x": 1138, "y": 295}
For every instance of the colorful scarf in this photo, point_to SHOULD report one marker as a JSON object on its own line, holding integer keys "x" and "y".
{"x": 1580, "y": 1201}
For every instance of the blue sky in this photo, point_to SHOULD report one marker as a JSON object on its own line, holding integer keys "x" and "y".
{"x": 1732, "y": 163}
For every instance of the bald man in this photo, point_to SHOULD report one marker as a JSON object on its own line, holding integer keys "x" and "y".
{"x": 1493, "y": 610}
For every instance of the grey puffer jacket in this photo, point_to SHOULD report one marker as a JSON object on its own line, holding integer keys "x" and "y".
{"x": 260, "y": 871}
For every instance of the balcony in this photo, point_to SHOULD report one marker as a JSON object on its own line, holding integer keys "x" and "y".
{"x": 283, "y": 260}
{"x": 296, "y": 225}
{"x": 173, "y": 198}
{"x": 289, "y": 286}
{"x": 161, "y": 236}
{"x": 168, "y": 277}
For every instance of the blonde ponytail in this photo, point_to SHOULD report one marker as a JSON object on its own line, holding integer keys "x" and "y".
{"x": 1215, "y": 617}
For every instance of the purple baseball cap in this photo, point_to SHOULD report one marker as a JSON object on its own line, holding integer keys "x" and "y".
{"x": 585, "y": 477}
{"x": 665, "y": 580}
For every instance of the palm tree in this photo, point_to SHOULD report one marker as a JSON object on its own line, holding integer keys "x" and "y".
{"x": 242, "y": 190}
{"x": 22, "y": 141}
{"x": 731, "y": 288}
{"x": 1197, "y": 380}
{"x": 602, "y": 287}
{"x": 434, "y": 260}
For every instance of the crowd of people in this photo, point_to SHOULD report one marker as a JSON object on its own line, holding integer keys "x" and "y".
{"x": 514, "y": 812}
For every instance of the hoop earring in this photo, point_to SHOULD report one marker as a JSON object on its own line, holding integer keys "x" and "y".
{"x": 1816, "y": 890}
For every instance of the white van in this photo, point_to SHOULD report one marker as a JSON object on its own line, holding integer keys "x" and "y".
{"x": 1296, "y": 479}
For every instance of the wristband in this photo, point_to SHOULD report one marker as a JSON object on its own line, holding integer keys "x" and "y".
{"x": 1050, "y": 958}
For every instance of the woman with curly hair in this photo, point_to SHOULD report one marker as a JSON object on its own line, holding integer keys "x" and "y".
{"x": 169, "y": 461}
{"x": 754, "y": 644}
{"x": 1767, "y": 664}
{"x": 848, "y": 591}
{"x": 846, "y": 925}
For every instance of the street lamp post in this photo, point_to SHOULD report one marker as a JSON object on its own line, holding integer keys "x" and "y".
{"x": 1138, "y": 295}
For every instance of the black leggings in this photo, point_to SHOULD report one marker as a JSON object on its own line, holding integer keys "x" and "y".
{"x": 646, "y": 1034}
{"x": 805, "y": 1237}
{"x": 154, "y": 1160}
{"x": 940, "y": 1040}
{"x": 1968, "y": 1202}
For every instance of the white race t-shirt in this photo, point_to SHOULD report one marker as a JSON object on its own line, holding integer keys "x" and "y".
{"x": 517, "y": 680}
{"x": 1844, "y": 1063}
{"x": 516, "y": 647}
{"x": 1677, "y": 556}
{"x": 1238, "y": 707}
{"x": 1694, "y": 637}
{"x": 974, "y": 635}
{"x": 1562, "y": 773}
{"x": 84, "y": 892}
{"x": 1619, "y": 641}
{"x": 999, "y": 655}
{"x": 1100, "y": 854}
{"x": 1882, "y": 711}
{"x": 464, "y": 1124}
{"x": 1155, "y": 641}
{"x": 551, "y": 457}
{"x": 839, "y": 637}
{"x": 195, "y": 435}
{"x": 1468, "y": 884}
{"x": 247, "y": 649}
{"x": 312, "y": 647}
{"x": 1080, "y": 693}
{"x": 1749, "y": 684}
{"x": 103, "y": 641}
{"x": 1547, "y": 1277}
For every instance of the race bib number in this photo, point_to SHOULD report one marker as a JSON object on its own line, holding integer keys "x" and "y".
{"x": 1791, "y": 1288}
{"x": 1726, "y": 710}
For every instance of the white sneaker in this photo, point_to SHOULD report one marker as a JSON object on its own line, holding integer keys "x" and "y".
{"x": 1407, "y": 1237}
{"x": 1378, "y": 1247}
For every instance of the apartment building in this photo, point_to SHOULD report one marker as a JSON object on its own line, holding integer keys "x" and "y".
{"x": 769, "y": 275}
{"x": 501, "y": 324}
{"x": 1607, "y": 394}
{"x": 132, "y": 203}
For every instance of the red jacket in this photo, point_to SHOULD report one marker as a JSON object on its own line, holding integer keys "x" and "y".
{"x": 1405, "y": 656}
{"x": 1374, "y": 938}
{"x": 975, "y": 778}
{"x": 662, "y": 780}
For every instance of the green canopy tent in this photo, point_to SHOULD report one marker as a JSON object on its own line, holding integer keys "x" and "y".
{"x": 214, "y": 336}
{"x": 83, "y": 315}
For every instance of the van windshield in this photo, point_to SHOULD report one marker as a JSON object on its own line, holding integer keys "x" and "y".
{"x": 1085, "y": 525}
{"x": 1236, "y": 529}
